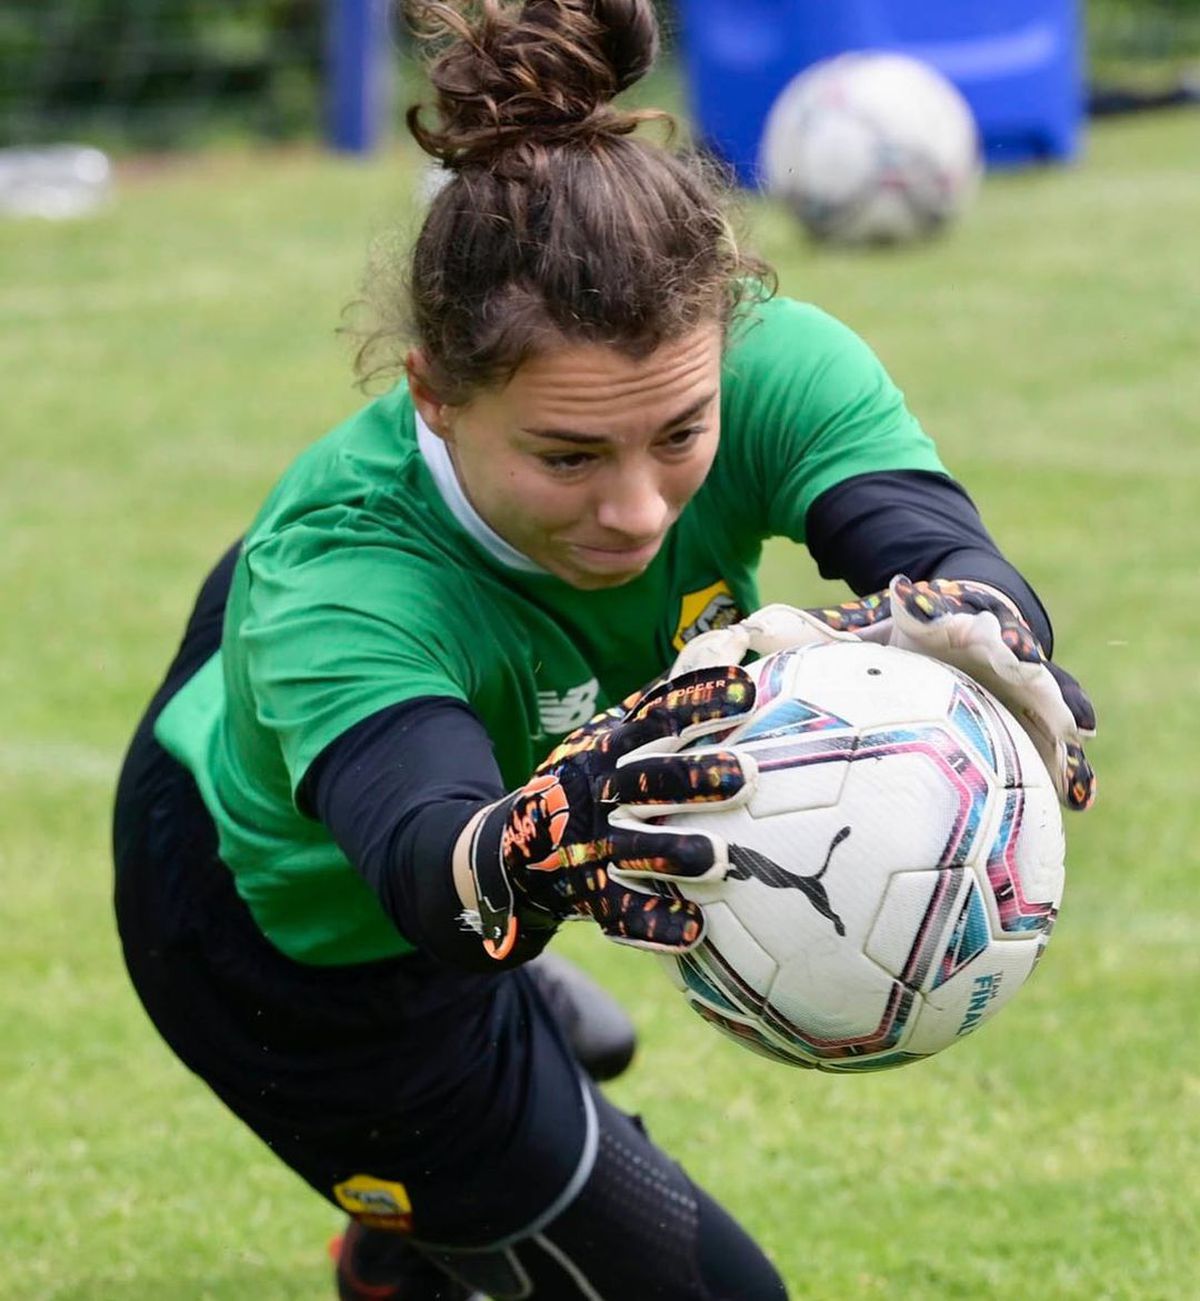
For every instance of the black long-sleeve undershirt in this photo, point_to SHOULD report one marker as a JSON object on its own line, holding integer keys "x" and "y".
{"x": 396, "y": 790}
{"x": 868, "y": 528}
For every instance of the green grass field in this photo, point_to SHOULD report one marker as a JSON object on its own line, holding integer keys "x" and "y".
{"x": 165, "y": 360}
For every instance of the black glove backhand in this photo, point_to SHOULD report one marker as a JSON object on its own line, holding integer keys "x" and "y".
{"x": 558, "y": 852}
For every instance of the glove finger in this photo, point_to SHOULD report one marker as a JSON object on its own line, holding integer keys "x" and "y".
{"x": 646, "y": 921}
{"x": 939, "y": 597}
{"x": 697, "y": 697}
{"x": 662, "y": 781}
{"x": 781, "y": 627}
{"x": 993, "y": 638}
{"x": 1018, "y": 636}
{"x": 1047, "y": 701}
{"x": 947, "y": 596}
{"x": 588, "y": 737}
{"x": 713, "y": 649}
{"x": 637, "y": 850}
{"x": 1078, "y": 779}
{"x": 692, "y": 700}
{"x": 855, "y": 616}
{"x": 1040, "y": 708}
{"x": 916, "y": 609}
{"x": 1078, "y": 700}
{"x": 784, "y": 627}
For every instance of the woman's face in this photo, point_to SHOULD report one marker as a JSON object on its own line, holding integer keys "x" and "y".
{"x": 585, "y": 458}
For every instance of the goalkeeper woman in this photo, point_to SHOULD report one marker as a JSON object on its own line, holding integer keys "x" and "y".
{"x": 383, "y": 766}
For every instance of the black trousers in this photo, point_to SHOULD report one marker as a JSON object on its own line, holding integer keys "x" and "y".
{"x": 441, "y": 1105}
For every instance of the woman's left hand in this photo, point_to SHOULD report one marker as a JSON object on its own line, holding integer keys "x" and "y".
{"x": 974, "y": 628}
{"x": 963, "y": 623}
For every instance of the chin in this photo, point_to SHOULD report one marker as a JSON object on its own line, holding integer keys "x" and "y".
{"x": 599, "y": 582}
{"x": 586, "y": 581}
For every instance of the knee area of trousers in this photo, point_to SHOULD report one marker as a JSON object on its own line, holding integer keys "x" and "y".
{"x": 732, "y": 1265}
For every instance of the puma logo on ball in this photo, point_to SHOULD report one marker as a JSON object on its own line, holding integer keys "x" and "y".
{"x": 747, "y": 863}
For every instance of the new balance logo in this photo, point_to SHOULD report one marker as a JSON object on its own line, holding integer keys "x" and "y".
{"x": 561, "y": 712}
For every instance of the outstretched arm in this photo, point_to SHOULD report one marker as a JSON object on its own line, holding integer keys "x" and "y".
{"x": 968, "y": 607}
{"x": 477, "y": 876}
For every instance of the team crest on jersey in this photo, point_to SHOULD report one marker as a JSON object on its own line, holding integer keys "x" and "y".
{"x": 376, "y": 1203}
{"x": 563, "y": 711}
{"x": 712, "y": 607}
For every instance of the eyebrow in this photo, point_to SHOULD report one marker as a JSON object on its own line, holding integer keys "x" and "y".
{"x": 574, "y": 436}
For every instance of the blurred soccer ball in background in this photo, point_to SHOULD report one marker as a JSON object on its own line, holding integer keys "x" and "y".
{"x": 871, "y": 148}
{"x": 894, "y": 877}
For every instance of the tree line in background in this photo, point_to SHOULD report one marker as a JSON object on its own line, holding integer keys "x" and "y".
{"x": 158, "y": 72}
{"x": 166, "y": 73}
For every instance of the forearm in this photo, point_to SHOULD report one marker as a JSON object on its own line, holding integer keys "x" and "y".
{"x": 871, "y": 527}
{"x": 401, "y": 793}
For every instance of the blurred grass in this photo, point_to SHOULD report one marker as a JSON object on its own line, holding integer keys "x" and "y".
{"x": 164, "y": 360}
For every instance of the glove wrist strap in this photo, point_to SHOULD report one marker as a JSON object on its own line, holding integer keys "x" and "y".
{"x": 498, "y": 924}
{"x": 506, "y": 914}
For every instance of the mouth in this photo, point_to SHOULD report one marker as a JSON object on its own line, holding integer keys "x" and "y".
{"x": 616, "y": 559}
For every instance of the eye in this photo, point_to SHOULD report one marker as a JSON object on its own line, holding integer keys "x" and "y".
{"x": 566, "y": 462}
{"x": 681, "y": 439}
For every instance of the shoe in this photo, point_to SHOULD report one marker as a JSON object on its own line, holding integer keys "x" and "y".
{"x": 373, "y": 1265}
{"x": 597, "y": 1027}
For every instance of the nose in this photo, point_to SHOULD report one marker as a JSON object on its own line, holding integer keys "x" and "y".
{"x": 633, "y": 507}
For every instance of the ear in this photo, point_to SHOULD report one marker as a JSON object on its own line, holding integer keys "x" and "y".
{"x": 431, "y": 408}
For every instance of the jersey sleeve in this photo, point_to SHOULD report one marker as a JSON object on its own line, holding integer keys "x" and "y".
{"x": 332, "y": 636}
{"x": 807, "y": 404}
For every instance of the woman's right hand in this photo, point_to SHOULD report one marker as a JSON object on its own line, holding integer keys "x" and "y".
{"x": 560, "y": 850}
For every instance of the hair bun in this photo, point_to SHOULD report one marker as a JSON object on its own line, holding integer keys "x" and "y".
{"x": 544, "y": 71}
{"x": 627, "y": 35}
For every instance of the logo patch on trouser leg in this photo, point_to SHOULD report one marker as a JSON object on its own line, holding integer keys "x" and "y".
{"x": 377, "y": 1203}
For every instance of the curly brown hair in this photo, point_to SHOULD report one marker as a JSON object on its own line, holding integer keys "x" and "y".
{"x": 556, "y": 221}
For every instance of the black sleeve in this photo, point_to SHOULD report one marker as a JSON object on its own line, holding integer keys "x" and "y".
{"x": 868, "y": 528}
{"x": 395, "y": 791}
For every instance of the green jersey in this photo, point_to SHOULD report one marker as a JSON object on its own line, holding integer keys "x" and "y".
{"x": 367, "y": 580}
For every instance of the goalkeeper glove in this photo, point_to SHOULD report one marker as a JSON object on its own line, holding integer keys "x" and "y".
{"x": 963, "y": 623}
{"x": 558, "y": 847}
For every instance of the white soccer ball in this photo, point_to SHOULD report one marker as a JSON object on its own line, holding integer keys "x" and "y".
{"x": 896, "y": 874}
{"x": 871, "y": 148}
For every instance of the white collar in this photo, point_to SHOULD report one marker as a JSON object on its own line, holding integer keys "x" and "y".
{"x": 437, "y": 458}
